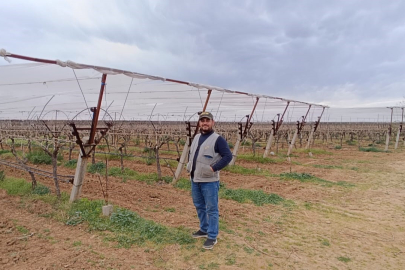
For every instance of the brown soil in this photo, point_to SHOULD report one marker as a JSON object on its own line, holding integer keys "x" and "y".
{"x": 360, "y": 227}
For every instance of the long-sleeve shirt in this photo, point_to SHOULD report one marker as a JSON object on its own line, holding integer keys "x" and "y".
{"x": 221, "y": 147}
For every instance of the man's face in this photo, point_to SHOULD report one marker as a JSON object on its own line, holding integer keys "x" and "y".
{"x": 206, "y": 125}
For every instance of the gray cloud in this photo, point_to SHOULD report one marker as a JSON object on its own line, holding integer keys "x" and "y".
{"x": 344, "y": 53}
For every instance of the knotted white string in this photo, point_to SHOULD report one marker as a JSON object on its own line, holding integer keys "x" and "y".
{"x": 61, "y": 63}
{"x": 4, "y": 53}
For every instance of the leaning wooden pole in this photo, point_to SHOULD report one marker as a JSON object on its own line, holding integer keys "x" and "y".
{"x": 297, "y": 131}
{"x": 311, "y": 135}
{"x": 83, "y": 157}
{"x": 184, "y": 155}
{"x": 243, "y": 135}
{"x": 274, "y": 131}
{"x": 387, "y": 140}
{"x": 399, "y": 129}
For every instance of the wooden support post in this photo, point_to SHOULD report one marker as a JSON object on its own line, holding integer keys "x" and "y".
{"x": 387, "y": 140}
{"x": 400, "y": 129}
{"x": 274, "y": 130}
{"x": 182, "y": 160}
{"x": 243, "y": 134}
{"x": 292, "y": 143}
{"x": 235, "y": 152}
{"x": 300, "y": 125}
{"x": 89, "y": 144}
{"x": 397, "y": 140}
{"x": 268, "y": 145}
{"x": 311, "y": 135}
{"x": 79, "y": 174}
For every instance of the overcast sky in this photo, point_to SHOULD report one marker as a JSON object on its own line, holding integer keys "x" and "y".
{"x": 338, "y": 53}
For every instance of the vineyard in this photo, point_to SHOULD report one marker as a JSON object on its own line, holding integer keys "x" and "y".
{"x": 300, "y": 192}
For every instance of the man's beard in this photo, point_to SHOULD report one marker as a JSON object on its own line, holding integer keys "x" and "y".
{"x": 205, "y": 131}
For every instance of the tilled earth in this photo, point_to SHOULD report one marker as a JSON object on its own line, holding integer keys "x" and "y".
{"x": 337, "y": 227}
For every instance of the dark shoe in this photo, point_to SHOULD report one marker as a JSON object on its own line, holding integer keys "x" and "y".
{"x": 209, "y": 243}
{"x": 199, "y": 234}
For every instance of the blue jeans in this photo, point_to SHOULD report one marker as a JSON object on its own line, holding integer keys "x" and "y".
{"x": 205, "y": 199}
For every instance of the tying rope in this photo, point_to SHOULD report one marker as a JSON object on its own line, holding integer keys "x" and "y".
{"x": 219, "y": 104}
{"x": 77, "y": 80}
{"x": 4, "y": 54}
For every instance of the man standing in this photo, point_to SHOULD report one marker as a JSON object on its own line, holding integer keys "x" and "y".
{"x": 209, "y": 153}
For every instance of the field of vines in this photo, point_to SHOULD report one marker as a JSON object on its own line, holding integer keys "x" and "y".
{"x": 333, "y": 203}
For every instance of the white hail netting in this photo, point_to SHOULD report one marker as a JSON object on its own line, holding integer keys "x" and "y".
{"x": 46, "y": 91}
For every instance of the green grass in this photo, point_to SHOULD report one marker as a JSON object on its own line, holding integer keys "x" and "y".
{"x": 39, "y": 157}
{"x": 98, "y": 167}
{"x": 258, "y": 197}
{"x": 260, "y": 159}
{"x": 245, "y": 171}
{"x": 306, "y": 177}
{"x": 4, "y": 152}
{"x": 2, "y": 176}
{"x": 344, "y": 259}
{"x": 22, "y": 229}
{"x": 41, "y": 190}
{"x": 370, "y": 149}
{"x": 338, "y": 147}
{"x": 16, "y": 186}
{"x": 349, "y": 142}
{"x": 71, "y": 164}
{"x": 124, "y": 226}
{"x": 127, "y": 228}
{"x": 129, "y": 174}
{"x": 314, "y": 151}
{"x": 183, "y": 183}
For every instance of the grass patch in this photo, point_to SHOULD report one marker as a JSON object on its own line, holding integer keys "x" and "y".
{"x": 4, "y": 152}
{"x": 370, "y": 149}
{"x": 2, "y": 176}
{"x": 338, "y": 147}
{"x": 258, "y": 197}
{"x": 344, "y": 259}
{"x": 39, "y": 157}
{"x": 349, "y": 142}
{"x": 127, "y": 227}
{"x": 124, "y": 226}
{"x": 98, "y": 167}
{"x": 314, "y": 151}
{"x": 71, "y": 164}
{"x": 41, "y": 190}
{"x": 183, "y": 183}
{"x": 259, "y": 159}
{"x": 306, "y": 177}
{"x": 15, "y": 186}
{"x": 237, "y": 169}
{"x": 129, "y": 174}
{"x": 18, "y": 186}
{"x": 325, "y": 242}
{"x": 22, "y": 229}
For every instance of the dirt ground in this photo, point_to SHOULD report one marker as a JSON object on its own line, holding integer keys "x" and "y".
{"x": 322, "y": 227}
